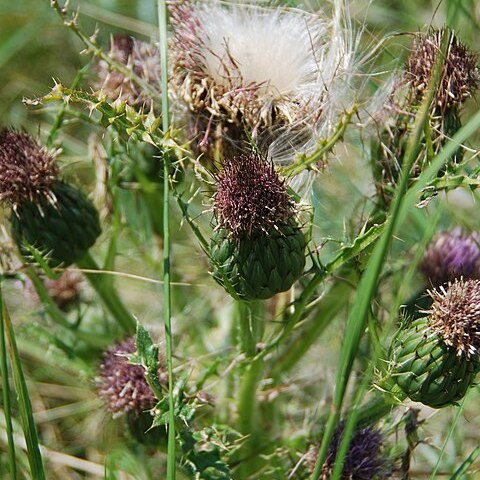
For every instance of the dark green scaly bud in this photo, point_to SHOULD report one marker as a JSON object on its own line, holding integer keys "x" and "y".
{"x": 48, "y": 214}
{"x": 436, "y": 357}
{"x": 258, "y": 246}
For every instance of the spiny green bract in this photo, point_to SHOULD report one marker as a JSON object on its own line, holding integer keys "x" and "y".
{"x": 63, "y": 230}
{"x": 428, "y": 370}
{"x": 260, "y": 266}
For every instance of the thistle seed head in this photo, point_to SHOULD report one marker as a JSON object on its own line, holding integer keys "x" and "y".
{"x": 270, "y": 72}
{"x": 122, "y": 385}
{"x": 27, "y": 170}
{"x": 452, "y": 254}
{"x": 250, "y": 197}
{"x": 460, "y": 75}
{"x": 142, "y": 59}
{"x": 455, "y": 315}
{"x": 364, "y": 459}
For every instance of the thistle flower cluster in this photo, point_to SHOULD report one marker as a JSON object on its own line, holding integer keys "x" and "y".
{"x": 364, "y": 459}
{"x": 246, "y": 69}
{"x": 27, "y": 170}
{"x": 455, "y": 315}
{"x": 458, "y": 81}
{"x": 459, "y": 77}
{"x": 122, "y": 385}
{"x": 140, "y": 58}
{"x": 452, "y": 254}
{"x": 250, "y": 197}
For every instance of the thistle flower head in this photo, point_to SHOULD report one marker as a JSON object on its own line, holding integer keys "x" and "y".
{"x": 364, "y": 459}
{"x": 455, "y": 315}
{"x": 452, "y": 254}
{"x": 460, "y": 76}
{"x": 27, "y": 170}
{"x": 259, "y": 68}
{"x": 122, "y": 385}
{"x": 250, "y": 197}
{"x": 141, "y": 58}
{"x": 65, "y": 291}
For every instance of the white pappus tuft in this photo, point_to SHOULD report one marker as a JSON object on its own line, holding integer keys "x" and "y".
{"x": 279, "y": 76}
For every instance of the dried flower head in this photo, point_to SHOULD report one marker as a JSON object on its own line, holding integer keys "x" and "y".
{"x": 364, "y": 459}
{"x": 251, "y": 68}
{"x": 65, "y": 291}
{"x": 122, "y": 385}
{"x": 250, "y": 197}
{"x": 452, "y": 254}
{"x": 455, "y": 315}
{"x": 460, "y": 76}
{"x": 27, "y": 170}
{"x": 142, "y": 59}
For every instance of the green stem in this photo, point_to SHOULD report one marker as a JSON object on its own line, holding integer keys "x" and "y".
{"x": 162, "y": 26}
{"x": 105, "y": 290}
{"x": 6, "y": 396}
{"x": 249, "y": 422}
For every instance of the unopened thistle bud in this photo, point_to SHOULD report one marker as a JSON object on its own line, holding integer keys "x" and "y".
{"x": 436, "y": 357}
{"x": 48, "y": 214}
{"x": 452, "y": 254}
{"x": 142, "y": 59}
{"x": 257, "y": 246}
{"x": 364, "y": 460}
{"x": 125, "y": 391}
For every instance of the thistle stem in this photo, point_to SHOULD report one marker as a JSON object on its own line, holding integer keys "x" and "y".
{"x": 104, "y": 287}
{"x": 249, "y": 421}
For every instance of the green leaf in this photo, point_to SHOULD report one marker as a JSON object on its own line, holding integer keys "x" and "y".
{"x": 24, "y": 404}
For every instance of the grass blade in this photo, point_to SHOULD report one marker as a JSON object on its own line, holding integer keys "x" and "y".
{"x": 24, "y": 404}
{"x": 6, "y": 396}
{"x": 162, "y": 27}
{"x": 459, "y": 474}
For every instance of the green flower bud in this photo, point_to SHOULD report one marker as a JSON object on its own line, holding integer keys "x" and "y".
{"x": 436, "y": 357}
{"x": 63, "y": 229}
{"x": 258, "y": 247}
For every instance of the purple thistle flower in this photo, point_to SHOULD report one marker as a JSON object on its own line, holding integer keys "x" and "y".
{"x": 364, "y": 459}
{"x": 250, "y": 197}
{"x": 452, "y": 254}
{"x": 27, "y": 170}
{"x": 122, "y": 385}
{"x": 455, "y": 315}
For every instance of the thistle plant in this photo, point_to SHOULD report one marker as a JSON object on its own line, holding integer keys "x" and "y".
{"x": 459, "y": 79}
{"x": 258, "y": 249}
{"x": 141, "y": 59}
{"x": 451, "y": 254}
{"x": 365, "y": 458}
{"x": 279, "y": 259}
{"x": 436, "y": 357}
{"x": 48, "y": 214}
{"x": 254, "y": 71}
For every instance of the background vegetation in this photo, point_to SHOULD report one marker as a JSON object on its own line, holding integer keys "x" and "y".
{"x": 79, "y": 438}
